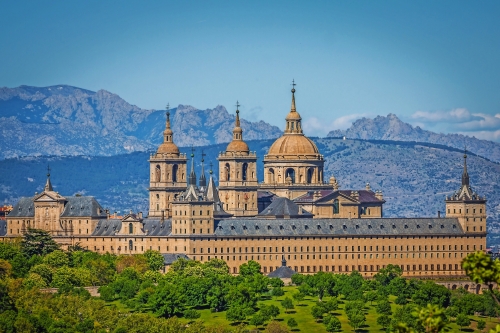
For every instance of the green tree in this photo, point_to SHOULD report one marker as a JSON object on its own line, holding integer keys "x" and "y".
{"x": 384, "y": 307}
{"x": 462, "y": 321}
{"x": 432, "y": 318}
{"x": 107, "y": 293}
{"x": 432, "y": 293}
{"x": 276, "y": 282}
{"x": 333, "y": 324}
{"x": 167, "y": 300}
{"x": 387, "y": 274}
{"x": 298, "y": 279}
{"x": 331, "y": 305}
{"x": 270, "y": 311}
{"x": 45, "y": 271}
{"x": 236, "y": 313}
{"x": 298, "y": 296}
{"x": 250, "y": 268}
{"x": 356, "y": 319}
{"x": 154, "y": 260}
{"x": 370, "y": 296}
{"x": 5, "y": 269}
{"x": 292, "y": 323}
{"x": 191, "y": 314}
{"x": 275, "y": 327}
{"x": 384, "y": 321}
{"x": 277, "y": 292}
{"x": 38, "y": 242}
{"x": 56, "y": 259}
{"x": 317, "y": 312}
{"x": 287, "y": 304}
{"x": 481, "y": 324}
{"x": 257, "y": 320}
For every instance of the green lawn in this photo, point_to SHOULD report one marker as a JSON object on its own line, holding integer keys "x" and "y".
{"x": 306, "y": 323}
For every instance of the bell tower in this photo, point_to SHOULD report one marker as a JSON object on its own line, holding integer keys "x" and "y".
{"x": 167, "y": 174}
{"x": 467, "y": 205}
{"x": 238, "y": 175}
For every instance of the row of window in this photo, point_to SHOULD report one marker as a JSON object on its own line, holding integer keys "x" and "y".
{"x": 194, "y": 212}
{"x": 346, "y": 248}
{"x": 466, "y": 211}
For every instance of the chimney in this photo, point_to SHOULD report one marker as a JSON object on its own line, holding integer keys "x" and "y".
{"x": 355, "y": 195}
{"x": 114, "y": 215}
{"x": 162, "y": 216}
{"x": 368, "y": 188}
{"x": 107, "y": 214}
{"x": 140, "y": 215}
{"x": 439, "y": 214}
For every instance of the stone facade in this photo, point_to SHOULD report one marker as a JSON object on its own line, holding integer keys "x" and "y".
{"x": 294, "y": 215}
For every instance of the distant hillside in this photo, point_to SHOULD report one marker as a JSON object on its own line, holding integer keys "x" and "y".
{"x": 392, "y": 128}
{"x": 414, "y": 177}
{"x": 64, "y": 120}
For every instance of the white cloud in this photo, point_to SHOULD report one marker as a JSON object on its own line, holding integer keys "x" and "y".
{"x": 317, "y": 127}
{"x": 480, "y": 125}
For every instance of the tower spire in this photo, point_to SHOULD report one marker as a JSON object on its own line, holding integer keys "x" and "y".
{"x": 192, "y": 175}
{"x": 292, "y": 108}
{"x": 465, "y": 174}
{"x": 48, "y": 184}
{"x": 203, "y": 180}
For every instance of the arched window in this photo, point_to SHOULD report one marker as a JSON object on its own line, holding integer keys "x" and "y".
{"x": 157, "y": 173}
{"x": 336, "y": 206}
{"x": 290, "y": 173}
{"x": 130, "y": 245}
{"x": 227, "y": 170}
{"x": 271, "y": 175}
{"x": 130, "y": 228}
{"x": 175, "y": 169}
{"x": 310, "y": 172}
{"x": 244, "y": 171}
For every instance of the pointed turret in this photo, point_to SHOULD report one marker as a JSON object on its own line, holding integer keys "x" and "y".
{"x": 48, "y": 184}
{"x": 237, "y": 145}
{"x": 203, "y": 180}
{"x": 465, "y": 174}
{"x": 192, "y": 174}
{"x": 212, "y": 192}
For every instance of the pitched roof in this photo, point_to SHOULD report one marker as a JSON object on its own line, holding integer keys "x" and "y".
{"x": 23, "y": 208}
{"x": 284, "y": 208}
{"x": 152, "y": 228}
{"x": 82, "y": 207}
{"x": 338, "y": 227}
{"x": 169, "y": 258}
{"x": 283, "y": 272}
{"x": 3, "y": 227}
{"x": 364, "y": 196}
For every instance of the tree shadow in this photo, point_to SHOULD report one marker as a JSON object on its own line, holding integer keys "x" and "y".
{"x": 291, "y": 312}
{"x": 468, "y": 329}
{"x": 301, "y": 304}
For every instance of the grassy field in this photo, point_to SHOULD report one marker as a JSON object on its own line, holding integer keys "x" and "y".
{"x": 306, "y": 323}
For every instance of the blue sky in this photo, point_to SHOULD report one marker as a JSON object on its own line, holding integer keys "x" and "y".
{"x": 433, "y": 63}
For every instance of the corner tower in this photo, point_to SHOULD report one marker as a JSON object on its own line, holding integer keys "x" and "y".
{"x": 293, "y": 166}
{"x": 167, "y": 174}
{"x": 238, "y": 175}
{"x": 467, "y": 206}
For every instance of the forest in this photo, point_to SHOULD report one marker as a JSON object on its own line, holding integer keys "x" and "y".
{"x": 41, "y": 290}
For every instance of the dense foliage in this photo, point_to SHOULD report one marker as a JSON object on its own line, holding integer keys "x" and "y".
{"x": 136, "y": 297}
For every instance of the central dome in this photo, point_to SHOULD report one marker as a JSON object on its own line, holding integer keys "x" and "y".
{"x": 293, "y": 144}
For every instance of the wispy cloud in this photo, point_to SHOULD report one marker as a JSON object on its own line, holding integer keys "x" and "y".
{"x": 317, "y": 127}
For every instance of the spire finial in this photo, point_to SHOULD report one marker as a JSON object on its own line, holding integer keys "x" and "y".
{"x": 293, "y": 109}
{"x": 237, "y": 122}
{"x": 48, "y": 170}
{"x": 210, "y": 172}
{"x": 168, "y": 114}
{"x": 465, "y": 174}
{"x": 48, "y": 184}
{"x": 192, "y": 175}
{"x": 203, "y": 180}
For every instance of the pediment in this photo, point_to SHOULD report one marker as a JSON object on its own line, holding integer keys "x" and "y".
{"x": 45, "y": 197}
{"x": 131, "y": 218}
{"x": 336, "y": 195}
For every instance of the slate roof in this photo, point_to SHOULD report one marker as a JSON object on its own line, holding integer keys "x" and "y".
{"x": 82, "y": 206}
{"x": 169, "y": 258}
{"x": 151, "y": 227}
{"x": 283, "y": 272}
{"x": 23, "y": 208}
{"x": 284, "y": 207}
{"x": 338, "y": 227}
{"x": 3, "y": 227}
{"x": 365, "y": 196}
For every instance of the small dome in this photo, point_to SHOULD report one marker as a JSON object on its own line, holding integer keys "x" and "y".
{"x": 237, "y": 146}
{"x": 168, "y": 148}
{"x": 293, "y": 115}
{"x": 293, "y": 145}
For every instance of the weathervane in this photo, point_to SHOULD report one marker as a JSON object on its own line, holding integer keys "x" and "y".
{"x": 203, "y": 155}
{"x": 293, "y": 85}
{"x": 48, "y": 170}
{"x": 168, "y": 109}
{"x": 237, "y": 105}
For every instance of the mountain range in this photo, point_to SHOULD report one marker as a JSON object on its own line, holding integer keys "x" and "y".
{"x": 392, "y": 128}
{"x": 63, "y": 120}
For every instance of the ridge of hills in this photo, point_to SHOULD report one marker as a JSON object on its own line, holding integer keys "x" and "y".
{"x": 414, "y": 177}
{"x": 392, "y": 128}
{"x": 65, "y": 120}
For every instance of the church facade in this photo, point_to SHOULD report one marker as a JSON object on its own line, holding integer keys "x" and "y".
{"x": 294, "y": 214}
